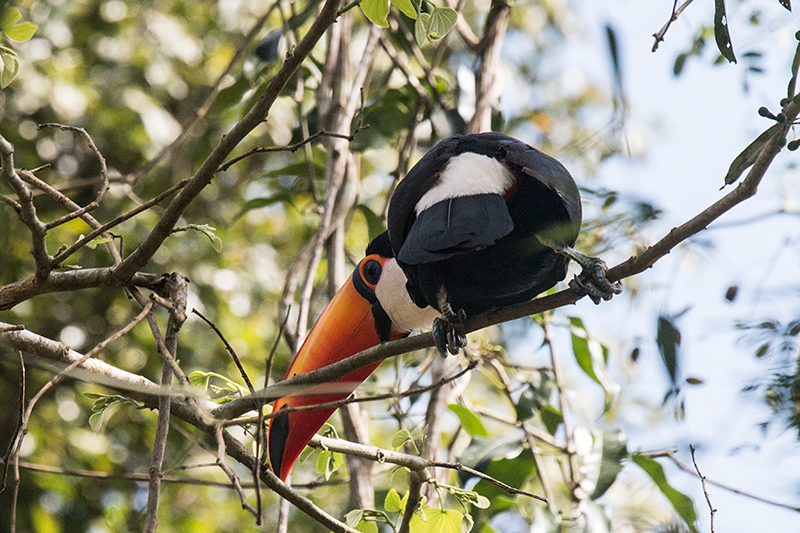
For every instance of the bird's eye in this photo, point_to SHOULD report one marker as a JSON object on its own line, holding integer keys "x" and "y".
{"x": 372, "y": 272}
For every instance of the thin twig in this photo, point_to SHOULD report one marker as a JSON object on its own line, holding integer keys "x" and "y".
{"x": 138, "y": 478}
{"x": 676, "y": 12}
{"x": 690, "y": 470}
{"x": 69, "y": 204}
{"x": 487, "y": 77}
{"x": 103, "y": 174}
{"x": 17, "y": 428}
{"x": 414, "y": 463}
{"x": 228, "y": 142}
{"x": 529, "y": 435}
{"x": 289, "y": 148}
{"x": 378, "y": 397}
{"x": 60, "y": 257}
{"x": 22, "y": 430}
{"x": 176, "y": 287}
{"x": 237, "y": 485}
{"x": 242, "y": 49}
{"x": 562, "y": 405}
{"x": 229, "y": 348}
{"x": 705, "y": 491}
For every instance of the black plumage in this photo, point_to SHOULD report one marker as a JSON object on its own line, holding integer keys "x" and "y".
{"x": 482, "y": 251}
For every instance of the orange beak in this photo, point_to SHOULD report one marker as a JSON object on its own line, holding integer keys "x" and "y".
{"x": 347, "y": 326}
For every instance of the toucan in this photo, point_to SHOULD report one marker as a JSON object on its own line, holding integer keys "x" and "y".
{"x": 481, "y": 221}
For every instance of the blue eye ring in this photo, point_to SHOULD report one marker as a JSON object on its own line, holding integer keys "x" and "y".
{"x": 372, "y": 271}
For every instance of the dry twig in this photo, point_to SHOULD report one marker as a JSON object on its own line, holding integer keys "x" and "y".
{"x": 705, "y": 491}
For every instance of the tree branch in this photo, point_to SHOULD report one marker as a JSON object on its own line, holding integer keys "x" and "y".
{"x": 686, "y": 468}
{"x": 26, "y": 211}
{"x": 103, "y": 175}
{"x": 676, "y": 12}
{"x": 176, "y": 287}
{"x": 630, "y": 267}
{"x": 255, "y": 116}
{"x": 414, "y": 463}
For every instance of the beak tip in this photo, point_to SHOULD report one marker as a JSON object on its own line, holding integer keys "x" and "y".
{"x": 276, "y": 444}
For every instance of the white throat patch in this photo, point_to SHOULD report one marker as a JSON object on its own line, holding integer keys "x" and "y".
{"x": 467, "y": 174}
{"x": 393, "y": 296}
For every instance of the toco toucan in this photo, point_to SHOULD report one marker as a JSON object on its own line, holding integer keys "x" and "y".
{"x": 481, "y": 221}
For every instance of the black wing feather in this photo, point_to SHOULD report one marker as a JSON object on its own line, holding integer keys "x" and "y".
{"x": 454, "y": 226}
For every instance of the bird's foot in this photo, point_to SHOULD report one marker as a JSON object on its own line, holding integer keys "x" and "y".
{"x": 445, "y": 336}
{"x": 592, "y": 281}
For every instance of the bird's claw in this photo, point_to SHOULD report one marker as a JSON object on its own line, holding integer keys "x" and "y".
{"x": 592, "y": 282}
{"x": 445, "y": 336}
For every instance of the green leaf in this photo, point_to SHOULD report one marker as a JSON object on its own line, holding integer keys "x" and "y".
{"x": 591, "y": 357}
{"x": 365, "y": 520}
{"x": 305, "y": 454}
{"x": 393, "y": 503}
{"x": 682, "y": 504}
{"x": 514, "y": 472}
{"x": 442, "y": 21}
{"x": 260, "y": 202}
{"x": 680, "y": 62}
{"x": 466, "y": 496}
{"x": 536, "y": 395}
{"x": 224, "y": 389}
{"x": 329, "y": 462}
{"x": 437, "y": 521}
{"x": 376, "y": 11}
{"x": 366, "y": 526}
{"x": 21, "y": 32}
{"x": 354, "y": 517}
{"x": 401, "y": 438}
{"x": 750, "y": 154}
{"x": 471, "y": 423}
{"x": 92, "y": 245}
{"x": 206, "y": 230}
{"x": 104, "y": 406}
{"x": 231, "y": 95}
{"x": 421, "y": 29}
{"x": 721, "y": 34}
{"x": 614, "y": 452}
{"x": 10, "y": 69}
{"x": 482, "y": 451}
{"x": 96, "y": 421}
{"x": 551, "y": 418}
{"x": 374, "y": 222}
{"x": 9, "y": 17}
{"x": 407, "y": 7}
{"x": 668, "y": 339}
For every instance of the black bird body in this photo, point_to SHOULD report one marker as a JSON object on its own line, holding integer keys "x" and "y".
{"x": 478, "y": 240}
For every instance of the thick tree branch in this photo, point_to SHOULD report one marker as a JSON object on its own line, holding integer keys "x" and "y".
{"x": 630, "y": 267}
{"x": 227, "y": 144}
{"x": 176, "y": 288}
{"x": 26, "y": 211}
{"x": 487, "y": 79}
{"x": 86, "y": 278}
{"x": 138, "y": 387}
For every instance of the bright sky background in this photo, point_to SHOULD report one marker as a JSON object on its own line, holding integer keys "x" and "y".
{"x": 693, "y": 127}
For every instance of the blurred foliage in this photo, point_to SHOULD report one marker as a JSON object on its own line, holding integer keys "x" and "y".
{"x": 134, "y": 75}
